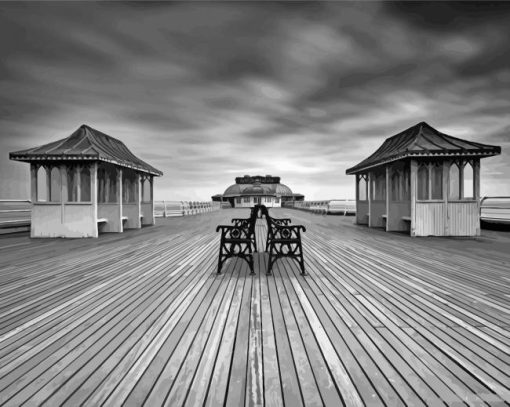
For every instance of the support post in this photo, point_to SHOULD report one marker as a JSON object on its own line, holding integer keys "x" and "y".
{"x": 152, "y": 199}
{"x": 138, "y": 200}
{"x": 476, "y": 190}
{"x": 47, "y": 171}
{"x": 414, "y": 172}
{"x": 388, "y": 198}
{"x": 369, "y": 188}
{"x": 119, "y": 198}
{"x": 446, "y": 181}
{"x": 33, "y": 182}
{"x": 94, "y": 197}
{"x": 63, "y": 191}
{"x": 357, "y": 197}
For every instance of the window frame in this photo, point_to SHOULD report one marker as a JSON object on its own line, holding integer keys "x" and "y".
{"x": 429, "y": 165}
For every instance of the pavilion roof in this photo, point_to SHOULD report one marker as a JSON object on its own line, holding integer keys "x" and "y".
{"x": 422, "y": 140}
{"x": 86, "y": 143}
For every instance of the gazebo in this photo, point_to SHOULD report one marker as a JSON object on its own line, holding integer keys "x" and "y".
{"x": 86, "y": 183}
{"x": 422, "y": 181}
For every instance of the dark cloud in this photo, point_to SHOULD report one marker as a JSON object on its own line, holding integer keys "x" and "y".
{"x": 207, "y": 91}
{"x": 449, "y": 16}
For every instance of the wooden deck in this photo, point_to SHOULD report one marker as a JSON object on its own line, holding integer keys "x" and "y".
{"x": 143, "y": 318}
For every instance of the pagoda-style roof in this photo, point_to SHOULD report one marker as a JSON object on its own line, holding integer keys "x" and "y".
{"x": 422, "y": 140}
{"x": 86, "y": 143}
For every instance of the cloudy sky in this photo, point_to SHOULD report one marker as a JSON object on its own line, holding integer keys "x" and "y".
{"x": 207, "y": 91}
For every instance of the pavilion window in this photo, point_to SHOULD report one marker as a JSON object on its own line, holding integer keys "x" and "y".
{"x": 85, "y": 184}
{"x": 72, "y": 184}
{"x": 406, "y": 184}
{"x": 362, "y": 188}
{"x": 437, "y": 181}
{"x": 277, "y": 200}
{"x": 396, "y": 187}
{"x": 146, "y": 190}
{"x": 379, "y": 187}
{"x": 238, "y": 200}
{"x": 42, "y": 188}
{"x": 111, "y": 185}
{"x": 55, "y": 185}
{"x": 128, "y": 187}
{"x": 423, "y": 182}
{"x": 246, "y": 199}
{"x": 454, "y": 183}
{"x": 101, "y": 185}
{"x": 468, "y": 181}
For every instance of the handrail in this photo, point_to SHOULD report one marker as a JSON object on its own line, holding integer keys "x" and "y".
{"x": 183, "y": 208}
{"x": 347, "y": 206}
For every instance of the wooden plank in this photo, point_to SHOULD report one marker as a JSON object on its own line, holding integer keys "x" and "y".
{"x": 90, "y": 321}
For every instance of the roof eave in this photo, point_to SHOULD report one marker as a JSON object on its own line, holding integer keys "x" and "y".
{"x": 71, "y": 157}
{"x": 356, "y": 170}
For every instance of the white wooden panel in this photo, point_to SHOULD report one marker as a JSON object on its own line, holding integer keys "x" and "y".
{"x": 430, "y": 219}
{"x": 361, "y": 212}
{"x": 462, "y": 218}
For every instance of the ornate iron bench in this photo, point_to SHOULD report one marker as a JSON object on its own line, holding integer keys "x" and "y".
{"x": 238, "y": 240}
{"x": 283, "y": 240}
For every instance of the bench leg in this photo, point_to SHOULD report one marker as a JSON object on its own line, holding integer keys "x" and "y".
{"x": 250, "y": 264}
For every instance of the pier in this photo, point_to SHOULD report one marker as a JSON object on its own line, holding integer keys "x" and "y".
{"x": 142, "y": 317}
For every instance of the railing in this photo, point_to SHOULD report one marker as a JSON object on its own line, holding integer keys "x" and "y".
{"x": 330, "y": 207}
{"x": 14, "y": 215}
{"x": 495, "y": 209}
{"x": 167, "y": 209}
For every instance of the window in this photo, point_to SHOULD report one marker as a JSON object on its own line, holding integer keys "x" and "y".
{"x": 437, "y": 181}
{"x": 72, "y": 184}
{"x": 423, "y": 182}
{"x": 406, "y": 184}
{"x": 85, "y": 184}
{"x": 362, "y": 188}
{"x": 42, "y": 188}
{"x": 55, "y": 185}
{"x": 101, "y": 185}
{"x": 454, "y": 184}
{"x": 246, "y": 199}
{"x": 238, "y": 200}
{"x": 396, "y": 190}
{"x": 146, "y": 189}
{"x": 128, "y": 186}
{"x": 277, "y": 200}
{"x": 379, "y": 187}
{"x": 468, "y": 183}
{"x": 111, "y": 185}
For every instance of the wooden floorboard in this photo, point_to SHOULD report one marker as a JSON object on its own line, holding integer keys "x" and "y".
{"x": 143, "y": 318}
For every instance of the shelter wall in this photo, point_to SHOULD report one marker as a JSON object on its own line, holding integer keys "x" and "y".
{"x": 111, "y": 212}
{"x": 463, "y": 219}
{"x": 69, "y": 220}
{"x": 147, "y": 213}
{"x": 130, "y": 210}
{"x": 430, "y": 219}
{"x": 395, "y": 212}
{"x": 377, "y": 210}
{"x": 362, "y": 212}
